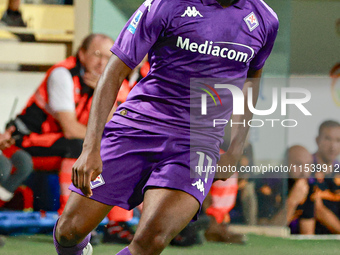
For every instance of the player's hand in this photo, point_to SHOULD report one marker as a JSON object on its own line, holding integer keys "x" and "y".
{"x": 227, "y": 159}
{"x": 87, "y": 167}
{"x": 91, "y": 79}
{"x": 299, "y": 191}
{"x": 6, "y": 139}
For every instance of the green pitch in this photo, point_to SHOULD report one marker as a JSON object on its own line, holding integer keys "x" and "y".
{"x": 256, "y": 245}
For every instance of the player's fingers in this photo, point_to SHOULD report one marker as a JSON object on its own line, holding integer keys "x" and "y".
{"x": 96, "y": 173}
{"x": 74, "y": 176}
{"x": 80, "y": 178}
{"x": 86, "y": 188}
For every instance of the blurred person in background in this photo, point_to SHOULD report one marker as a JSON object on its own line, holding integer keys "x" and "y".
{"x": 53, "y": 123}
{"x": 327, "y": 182}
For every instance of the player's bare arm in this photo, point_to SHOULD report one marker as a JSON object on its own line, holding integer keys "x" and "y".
{"x": 239, "y": 132}
{"x": 89, "y": 165}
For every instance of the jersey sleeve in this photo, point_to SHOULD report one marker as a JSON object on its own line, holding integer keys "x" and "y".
{"x": 142, "y": 31}
{"x": 261, "y": 57}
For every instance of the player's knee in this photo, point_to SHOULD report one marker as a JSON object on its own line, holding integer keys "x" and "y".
{"x": 154, "y": 244}
{"x": 67, "y": 234}
{"x": 160, "y": 242}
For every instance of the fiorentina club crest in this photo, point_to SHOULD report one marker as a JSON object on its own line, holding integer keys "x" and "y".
{"x": 251, "y": 21}
{"x": 99, "y": 181}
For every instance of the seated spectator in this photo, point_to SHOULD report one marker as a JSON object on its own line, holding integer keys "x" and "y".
{"x": 327, "y": 190}
{"x": 12, "y": 17}
{"x": 298, "y": 212}
{"x": 22, "y": 162}
{"x": 53, "y": 124}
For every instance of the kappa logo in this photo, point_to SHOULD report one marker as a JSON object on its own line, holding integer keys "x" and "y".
{"x": 199, "y": 185}
{"x": 134, "y": 22}
{"x": 191, "y": 12}
{"x": 99, "y": 181}
{"x": 148, "y": 4}
{"x": 251, "y": 21}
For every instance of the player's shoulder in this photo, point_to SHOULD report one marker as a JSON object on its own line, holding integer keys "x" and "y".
{"x": 266, "y": 13}
{"x": 162, "y": 3}
{"x": 173, "y": 3}
{"x": 162, "y": 7}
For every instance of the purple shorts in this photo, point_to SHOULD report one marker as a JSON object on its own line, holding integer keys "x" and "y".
{"x": 134, "y": 160}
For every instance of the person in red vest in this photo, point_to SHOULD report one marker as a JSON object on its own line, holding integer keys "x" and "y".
{"x": 52, "y": 126}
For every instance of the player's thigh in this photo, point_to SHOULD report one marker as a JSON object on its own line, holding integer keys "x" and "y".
{"x": 165, "y": 213}
{"x": 81, "y": 216}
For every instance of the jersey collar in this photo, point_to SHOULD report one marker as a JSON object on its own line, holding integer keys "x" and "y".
{"x": 240, "y": 3}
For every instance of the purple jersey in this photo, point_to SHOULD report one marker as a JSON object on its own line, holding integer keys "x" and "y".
{"x": 189, "y": 39}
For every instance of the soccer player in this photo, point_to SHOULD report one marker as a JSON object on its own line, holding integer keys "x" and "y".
{"x": 144, "y": 153}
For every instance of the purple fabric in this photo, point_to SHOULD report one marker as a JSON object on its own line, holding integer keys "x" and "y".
{"x": 135, "y": 159}
{"x": 185, "y": 43}
{"x": 125, "y": 251}
{"x": 74, "y": 250}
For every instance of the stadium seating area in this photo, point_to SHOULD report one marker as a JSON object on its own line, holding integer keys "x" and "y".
{"x": 53, "y": 28}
